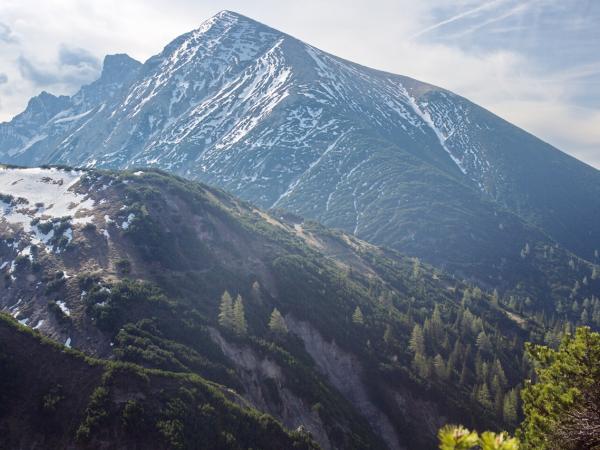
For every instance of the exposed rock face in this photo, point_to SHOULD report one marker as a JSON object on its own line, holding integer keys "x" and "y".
{"x": 256, "y": 373}
{"x": 345, "y": 373}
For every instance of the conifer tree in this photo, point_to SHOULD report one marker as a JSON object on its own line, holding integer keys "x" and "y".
{"x": 256, "y": 292}
{"x": 464, "y": 374}
{"x": 416, "y": 271}
{"x": 417, "y": 340}
{"x": 498, "y": 403}
{"x": 483, "y": 396}
{"x": 226, "y": 311}
{"x": 456, "y": 354}
{"x": 483, "y": 342}
{"x": 437, "y": 325}
{"x": 239, "y": 317}
{"x": 440, "y": 367}
{"x": 499, "y": 372}
{"x": 509, "y": 409}
{"x": 357, "y": 316}
{"x": 277, "y": 323}
{"x": 422, "y": 365}
{"x": 561, "y": 407}
{"x": 466, "y": 298}
{"x": 495, "y": 297}
{"x": 388, "y": 335}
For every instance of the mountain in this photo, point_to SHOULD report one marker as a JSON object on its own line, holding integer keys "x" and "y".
{"x": 129, "y": 268}
{"x": 284, "y": 125}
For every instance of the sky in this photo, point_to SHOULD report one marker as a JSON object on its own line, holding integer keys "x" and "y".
{"x": 535, "y": 63}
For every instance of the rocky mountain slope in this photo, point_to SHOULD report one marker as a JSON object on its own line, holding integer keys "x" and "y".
{"x": 52, "y": 397}
{"x": 129, "y": 267}
{"x": 280, "y": 123}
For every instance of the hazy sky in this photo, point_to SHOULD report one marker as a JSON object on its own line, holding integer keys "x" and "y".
{"x": 533, "y": 62}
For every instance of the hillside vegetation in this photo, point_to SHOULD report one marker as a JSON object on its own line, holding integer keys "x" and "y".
{"x": 140, "y": 275}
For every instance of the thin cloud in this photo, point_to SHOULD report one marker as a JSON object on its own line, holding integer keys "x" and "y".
{"x": 31, "y": 72}
{"x": 519, "y": 9}
{"x": 6, "y": 34}
{"x": 74, "y": 67}
{"x": 579, "y": 72}
{"x": 77, "y": 57}
{"x": 456, "y": 17}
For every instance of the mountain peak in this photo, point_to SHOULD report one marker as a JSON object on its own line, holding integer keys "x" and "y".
{"x": 231, "y": 15}
{"x": 116, "y": 67}
{"x": 227, "y": 17}
{"x": 225, "y": 14}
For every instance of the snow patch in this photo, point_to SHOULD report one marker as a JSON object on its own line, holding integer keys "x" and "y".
{"x": 42, "y": 193}
{"x": 125, "y": 225}
{"x": 63, "y": 307}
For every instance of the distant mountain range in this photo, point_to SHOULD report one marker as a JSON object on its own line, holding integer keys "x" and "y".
{"x": 275, "y": 121}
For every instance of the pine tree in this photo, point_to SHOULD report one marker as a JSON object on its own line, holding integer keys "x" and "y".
{"x": 416, "y": 268}
{"x": 464, "y": 375}
{"x": 239, "y": 317}
{"x": 436, "y": 317}
{"x": 455, "y": 356}
{"x": 499, "y": 403}
{"x": 466, "y": 298}
{"x": 277, "y": 323}
{"x": 499, "y": 372}
{"x": 561, "y": 407}
{"x": 226, "y": 311}
{"x": 483, "y": 396}
{"x": 495, "y": 297}
{"x": 437, "y": 325}
{"x": 483, "y": 343}
{"x": 388, "y": 335}
{"x": 357, "y": 316}
{"x": 440, "y": 367}
{"x": 256, "y": 293}
{"x": 422, "y": 365}
{"x": 496, "y": 385}
{"x": 509, "y": 409}
{"x": 585, "y": 317}
{"x": 417, "y": 340}
{"x": 576, "y": 288}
